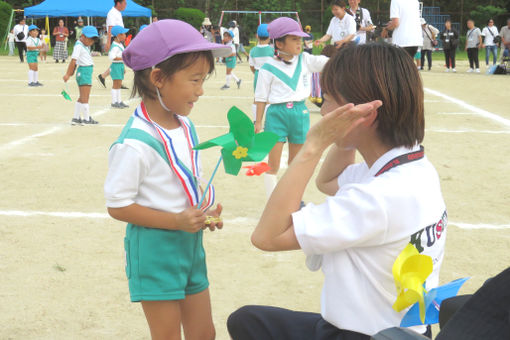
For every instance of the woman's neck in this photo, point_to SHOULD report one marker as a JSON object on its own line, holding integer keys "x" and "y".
{"x": 165, "y": 119}
{"x": 372, "y": 150}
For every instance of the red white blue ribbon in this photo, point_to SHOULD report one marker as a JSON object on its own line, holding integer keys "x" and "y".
{"x": 189, "y": 179}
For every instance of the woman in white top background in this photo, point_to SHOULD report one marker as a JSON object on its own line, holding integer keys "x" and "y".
{"x": 489, "y": 32}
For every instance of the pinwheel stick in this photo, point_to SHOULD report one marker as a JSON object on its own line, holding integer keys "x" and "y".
{"x": 210, "y": 181}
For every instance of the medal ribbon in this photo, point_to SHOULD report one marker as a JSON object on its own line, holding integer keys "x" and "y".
{"x": 188, "y": 178}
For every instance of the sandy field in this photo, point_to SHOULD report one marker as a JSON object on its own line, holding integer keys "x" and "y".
{"x": 61, "y": 256}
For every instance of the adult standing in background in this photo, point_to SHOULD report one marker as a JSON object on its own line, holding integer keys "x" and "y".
{"x": 78, "y": 28}
{"x": 490, "y": 32}
{"x": 362, "y": 19}
{"x": 505, "y": 39}
{"x": 10, "y": 41}
{"x": 113, "y": 18}
{"x": 429, "y": 34}
{"x": 60, "y": 33}
{"x": 473, "y": 42}
{"x": 20, "y": 37}
{"x": 406, "y": 25}
{"x": 450, "y": 38}
{"x": 206, "y": 30}
{"x": 342, "y": 27}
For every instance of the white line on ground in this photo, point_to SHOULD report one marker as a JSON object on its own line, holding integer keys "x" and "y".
{"x": 468, "y": 131}
{"x": 455, "y": 113}
{"x": 27, "y": 139}
{"x": 474, "y": 109}
{"x": 234, "y": 220}
{"x": 480, "y": 225}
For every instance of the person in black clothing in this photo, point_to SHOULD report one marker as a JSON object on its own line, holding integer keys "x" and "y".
{"x": 450, "y": 38}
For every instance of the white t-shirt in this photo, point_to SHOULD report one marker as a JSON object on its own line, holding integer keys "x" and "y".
{"x": 33, "y": 42}
{"x": 138, "y": 174}
{"x": 261, "y": 54}
{"x": 339, "y": 29}
{"x": 82, "y": 54}
{"x": 429, "y": 32}
{"x": 114, "y": 18}
{"x": 365, "y": 22}
{"x": 273, "y": 89}
{"x": 409, "y": 32}
{"x": 20, "y": 28}
{"x": 116, "y": 52}
{"x": 361, "y": 230}
{"x": 488, "y": 38}
{"x": 236, "y": 35}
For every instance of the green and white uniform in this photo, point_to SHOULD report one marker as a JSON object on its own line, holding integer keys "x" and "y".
{"x": 259, "y": 55}
{"x": 32, "y": 54}
{"x": 285, "y": 87}
{"x": 117, "y": 66}
{"x": 81, "y": 54}
{"x": 161, "y": 264}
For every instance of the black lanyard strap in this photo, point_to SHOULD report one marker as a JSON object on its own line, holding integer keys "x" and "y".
{"x": 402, "y": 159}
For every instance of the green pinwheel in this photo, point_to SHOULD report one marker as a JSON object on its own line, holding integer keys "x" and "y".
{"x": 241, "y": 143}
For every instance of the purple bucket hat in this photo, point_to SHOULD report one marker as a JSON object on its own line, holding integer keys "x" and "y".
{"x": 285, "y": 26}
{"x": 164, "y": 39}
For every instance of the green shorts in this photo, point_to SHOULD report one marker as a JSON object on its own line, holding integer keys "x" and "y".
{"x": 32, "y": 56}
{"x": 164, "y": 264}
{"x": 117, "y": 71}
{"x": 230, "y": 62}
{"x": 290, "y": 121}
{"x": 84, "y": 75}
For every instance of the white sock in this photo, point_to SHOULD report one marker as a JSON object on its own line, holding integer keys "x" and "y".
{"x": 77, "y": 109}
{"x": 119, "y": 96}
{"x": 30, "y": 78}
{"x": 114, "y": 96}
{"x": 233, "y": 75}
{"x": 270, "y": 183}
{"x": 254, "y": 111}
{"x": 86, "y": 115}
{"x": 228, "y": 77}
{"x": 36, "y": 76}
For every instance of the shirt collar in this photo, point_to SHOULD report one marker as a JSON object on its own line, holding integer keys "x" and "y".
{"x": 388, "y": 156}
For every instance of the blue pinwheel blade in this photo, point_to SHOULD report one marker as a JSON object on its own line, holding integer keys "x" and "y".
{"x": 433, "y": 301}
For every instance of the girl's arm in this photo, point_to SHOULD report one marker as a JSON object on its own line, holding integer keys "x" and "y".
{"x": 190, "y": 220}
{"x": 322, "y": 40}
{"x": 261, "y": 107}
{"x": 337, "y": 160}
{"x": 70, "y": 70}
{"x": 275, "y": 229}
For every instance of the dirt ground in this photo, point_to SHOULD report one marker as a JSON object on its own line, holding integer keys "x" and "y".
{"x": 62, "y": 258}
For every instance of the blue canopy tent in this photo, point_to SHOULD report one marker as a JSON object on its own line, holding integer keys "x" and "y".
{"x": 84, "y": 8}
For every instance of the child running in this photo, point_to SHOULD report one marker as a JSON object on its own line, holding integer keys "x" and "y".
{"x": 259, "y": 55}
{"x": 34, "y": 45}
{"x": 81, "y": 56}
{"x": 284, "y": 83}
{"x": 117, "y": 68}
{"x": 230, "y": 60}
{"x": 153, "y": 181}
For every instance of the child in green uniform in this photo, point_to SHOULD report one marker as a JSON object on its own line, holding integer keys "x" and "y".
{"x": 117, "y": 69}
{"x": 153, "y": 185}
{"x": 34, "y": 44}
{"x": 230, "y": 61}
{"x": 82, "y": 58}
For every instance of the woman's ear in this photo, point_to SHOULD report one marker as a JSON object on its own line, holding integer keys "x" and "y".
{"x": 156, "y": 77}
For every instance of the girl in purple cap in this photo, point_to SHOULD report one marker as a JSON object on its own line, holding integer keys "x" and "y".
{"x": 284, "y": 83}
{"x": 153, "y": 181}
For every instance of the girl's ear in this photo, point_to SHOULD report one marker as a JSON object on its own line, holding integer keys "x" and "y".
{"x": 156, "y": 77}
